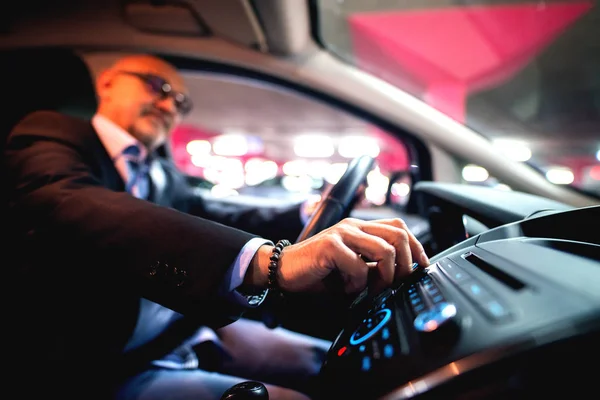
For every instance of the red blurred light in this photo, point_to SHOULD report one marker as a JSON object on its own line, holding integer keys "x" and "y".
{"x": 342, "y": 350}
{"x": 595, "y": 172}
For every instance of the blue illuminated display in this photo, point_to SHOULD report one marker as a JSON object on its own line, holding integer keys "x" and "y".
{"x": 358, "y": 339}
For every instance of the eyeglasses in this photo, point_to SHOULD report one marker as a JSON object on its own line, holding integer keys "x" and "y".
{"x": 163, "y": 89}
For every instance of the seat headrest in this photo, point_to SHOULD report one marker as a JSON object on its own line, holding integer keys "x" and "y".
{"x": 44, "y": 79}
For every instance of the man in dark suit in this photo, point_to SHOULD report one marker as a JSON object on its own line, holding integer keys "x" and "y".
{"x": 123, "y": 271}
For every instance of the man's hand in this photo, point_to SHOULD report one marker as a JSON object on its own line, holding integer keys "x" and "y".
{"x": 388, "y": 244}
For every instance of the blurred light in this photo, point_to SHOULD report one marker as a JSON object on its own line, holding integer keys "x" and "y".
{"x": 259, "y": 170}
{"x": 226, "y": 171}
{"x": 221, "y": 191}
{"x": 375, "y": 196}
{"x": 301, "y": 184}
{"x": 335, "y": 172}
{"x": 595, "y": 172}
{"x": 560, "y": 175}
{"x": 598, "y": 155}
{"x": 317, "y": 183}
{"x": 377, "y": 186}
{"x": 515, "y": 149}
{"x": 295, "y": 167}
{"x": 233, "y": 179}
{"x": 401, "y": 189}
{"x": 376, "y": 179}
{"x": 230, "y": 145}
{"x": 201, "y": 160}
{"x": 198, "y": 147}
{"x": 313, "y": 146}
{"x": 474, "y": 173}
{"x": 317, "y": 168}
{"x": 354, "y": 146}
{"x": 215, "y": 162}
{"x": 309, "y": 206}
{"x": 254, "y": 144}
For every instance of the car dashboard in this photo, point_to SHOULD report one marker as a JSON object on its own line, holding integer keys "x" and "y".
{"x": 512, "y": 311}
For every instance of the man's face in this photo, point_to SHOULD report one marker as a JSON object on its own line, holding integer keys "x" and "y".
{"x": 146, "y": 97}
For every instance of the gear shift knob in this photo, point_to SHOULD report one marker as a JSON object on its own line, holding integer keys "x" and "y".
{"x": 249, "y": 390}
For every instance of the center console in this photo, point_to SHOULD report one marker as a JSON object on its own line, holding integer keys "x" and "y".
{"x": 513, "y": 310}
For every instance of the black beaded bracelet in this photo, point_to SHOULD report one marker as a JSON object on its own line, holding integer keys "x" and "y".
{"x": 274, "y": 264}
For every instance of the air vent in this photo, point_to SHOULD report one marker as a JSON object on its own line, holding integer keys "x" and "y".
{"x": 493, "y": 271}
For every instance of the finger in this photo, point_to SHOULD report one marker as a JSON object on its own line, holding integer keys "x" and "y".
{"x": 381, "y": 276}
{"x": 400, "y": 240}
{"x": 417, "y": 250}
{"x": 376, "y": 249}
{"x": 352, "y": 268}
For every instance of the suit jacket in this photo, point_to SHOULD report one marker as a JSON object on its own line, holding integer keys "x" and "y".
{"x": 84, "y": 252}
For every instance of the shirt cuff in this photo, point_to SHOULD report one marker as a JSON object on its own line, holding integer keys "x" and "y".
{"x": 235, "y": 275}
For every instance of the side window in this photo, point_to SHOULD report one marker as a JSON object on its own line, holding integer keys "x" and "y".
{"x": 248, "y": 138}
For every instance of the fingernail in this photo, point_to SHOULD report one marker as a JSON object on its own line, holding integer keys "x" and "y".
{"x": 424, "y": 258}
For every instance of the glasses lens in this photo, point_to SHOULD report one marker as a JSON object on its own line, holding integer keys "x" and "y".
{"x": 162, "y": 89}
{"x": 183, "y": 103}
{"x": 157, "y": 85}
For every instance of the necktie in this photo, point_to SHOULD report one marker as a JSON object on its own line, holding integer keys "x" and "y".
{"x": 138, "y": 180}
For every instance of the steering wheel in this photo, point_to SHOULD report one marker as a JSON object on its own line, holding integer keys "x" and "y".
{"x": 325, "y": 308}
{"x": 340, "y": 199}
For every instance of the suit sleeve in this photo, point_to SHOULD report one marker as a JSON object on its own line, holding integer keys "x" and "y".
{"x": 58, "y": 203}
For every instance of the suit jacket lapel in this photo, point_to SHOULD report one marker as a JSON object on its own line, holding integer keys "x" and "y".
{"x": 107, "y": 172}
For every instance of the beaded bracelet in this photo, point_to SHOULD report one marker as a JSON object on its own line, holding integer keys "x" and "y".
{"x": 274, "y": 265}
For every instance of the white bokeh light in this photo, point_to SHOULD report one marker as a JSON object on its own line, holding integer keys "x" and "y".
{"x": 355, "y": 146}
{"x": 514, "y": 149}
{"x": 295, "y": 167}
{"x": 259, "y": 170}
{"x": 475, "y": 173}
{"x": 230, "y": 145}
{"x": 198, "y": 147}
{"x": 313, "y": 146}
{"x": 335, "y": 172}
{"x": 560, "y": 175}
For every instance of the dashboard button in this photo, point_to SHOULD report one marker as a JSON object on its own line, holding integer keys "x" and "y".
{"x": 438, "y": 298}
{"x": 496, "y": 310}
{"x": 454, "y": 272}
{"x": 434, "y": 318}
{"x": 485, "y": 300}
{"x": 366, "y": 364}
{"x": 388, "y": 351}
{"x": 415, "y": 300}
{"x": 385, "y": 333}
{"x": 417, "y": 309}
{"x": 476, "y": 291}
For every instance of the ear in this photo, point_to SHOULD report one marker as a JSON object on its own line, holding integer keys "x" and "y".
{"x": 104, "y": 83}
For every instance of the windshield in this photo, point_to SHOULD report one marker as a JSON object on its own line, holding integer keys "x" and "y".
{"x": 524, "y": 74}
